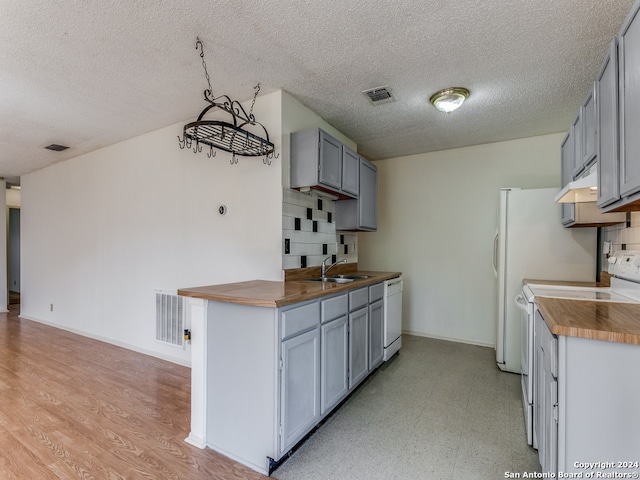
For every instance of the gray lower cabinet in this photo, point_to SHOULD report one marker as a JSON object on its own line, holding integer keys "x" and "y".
{"x": 586, "y": 403}
{"x": 300, "y": 387}
{"x": 546, "y": 391}
{"x": 376, "y": 334}
{"x": 274, "y": 373}
{"x": 334, "y": 358}
{"x": 358, "y": 346}
{"x": 334, "y": 361}
{"x": 376, "y": 325}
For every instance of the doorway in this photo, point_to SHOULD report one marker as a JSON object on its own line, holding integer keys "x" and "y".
{"x": 13, "y": 257}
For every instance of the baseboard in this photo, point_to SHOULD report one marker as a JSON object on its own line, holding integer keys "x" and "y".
{"x": 449, "y": 339}
{"x": 151, "y": 353}
{"x": 196, "y": 441}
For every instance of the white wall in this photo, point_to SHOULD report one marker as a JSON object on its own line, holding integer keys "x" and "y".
{"x": 102, "y": 231}
{"x": 437, "y": 218}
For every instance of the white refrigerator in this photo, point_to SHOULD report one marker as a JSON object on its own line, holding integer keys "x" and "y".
{"x": 530, "y": 242}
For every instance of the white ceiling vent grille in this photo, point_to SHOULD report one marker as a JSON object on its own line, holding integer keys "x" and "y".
{"x": 379, "y": 95}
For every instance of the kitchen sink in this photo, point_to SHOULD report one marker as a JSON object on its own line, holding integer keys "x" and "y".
{"x": 353, "y": 277}
{"x": 338, "y": 278}
{"x": 330, "y": 279}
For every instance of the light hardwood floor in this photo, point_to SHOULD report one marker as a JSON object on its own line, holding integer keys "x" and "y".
{"x": 73, "y": 407}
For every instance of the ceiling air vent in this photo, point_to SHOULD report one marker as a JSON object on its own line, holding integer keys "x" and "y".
{"x": 379, "y": 95}
{"x": 56, "y": 148}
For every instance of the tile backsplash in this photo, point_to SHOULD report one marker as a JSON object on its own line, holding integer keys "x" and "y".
{"x": 309, "y": 231}
{"x": 623, "y": 236}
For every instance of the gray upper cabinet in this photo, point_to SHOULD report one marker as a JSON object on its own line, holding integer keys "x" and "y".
{"x": 589, "y": 128}
{"x": 317, "y": 162}
{"x": 607, "y": 120}
{"x": 618, "y": 110}
{"x": 566, "y": 174}
{"x": 580, "y": 214}
{"x": 629, "y": 50}
{"x": 368, "y": 205}
{"x": 330, "y": 162}
{"x": 350, "y": 171}
{"x": 361, "y": 214}
{"x": 576, "y": 132}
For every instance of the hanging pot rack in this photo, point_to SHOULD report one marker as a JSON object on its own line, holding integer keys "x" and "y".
{"x": 232, "y": 137}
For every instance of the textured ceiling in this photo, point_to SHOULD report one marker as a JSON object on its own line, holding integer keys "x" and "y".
{"x": 89, "y": 74}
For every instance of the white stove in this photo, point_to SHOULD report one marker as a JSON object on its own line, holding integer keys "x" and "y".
{"x": 624, "y": 266}
{"x": 574, "y": 293}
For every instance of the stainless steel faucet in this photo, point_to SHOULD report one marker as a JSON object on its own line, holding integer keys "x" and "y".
{"x": 325, "y": 269}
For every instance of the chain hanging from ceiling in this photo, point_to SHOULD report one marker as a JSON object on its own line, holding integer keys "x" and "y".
{"x": 230, "y": 137}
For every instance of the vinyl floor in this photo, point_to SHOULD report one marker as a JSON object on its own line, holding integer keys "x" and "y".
{"x": 438, "y": 410}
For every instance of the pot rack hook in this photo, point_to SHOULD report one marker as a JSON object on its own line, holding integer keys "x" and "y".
{"x": 267, "y": 159}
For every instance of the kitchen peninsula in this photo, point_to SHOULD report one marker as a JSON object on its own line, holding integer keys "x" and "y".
{"x": 271, "y": 359}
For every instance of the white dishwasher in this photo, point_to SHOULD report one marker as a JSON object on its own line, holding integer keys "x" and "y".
{"x": 392, "y": 317}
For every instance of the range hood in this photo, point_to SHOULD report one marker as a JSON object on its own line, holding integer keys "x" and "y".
{"x": 582, "y": 190}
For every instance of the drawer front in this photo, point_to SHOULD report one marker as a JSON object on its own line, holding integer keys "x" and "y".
{"x": 299, "y": 319}
{"x": 358, "y": 298}
{"x": 376, "y": 292}
{"x": 334, "y": 307}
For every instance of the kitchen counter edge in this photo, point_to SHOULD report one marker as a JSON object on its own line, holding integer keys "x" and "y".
{"x": 274, "y": 294}
{"x": 608, "y": 321}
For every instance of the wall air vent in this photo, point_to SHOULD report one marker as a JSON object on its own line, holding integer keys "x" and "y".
{"x": 379, "y": 95}
{"x": 170, "y": 317}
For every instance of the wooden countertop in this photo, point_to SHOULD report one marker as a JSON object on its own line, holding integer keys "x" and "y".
{"x": 609, "y": 321}
{"x": 266, "y": 293}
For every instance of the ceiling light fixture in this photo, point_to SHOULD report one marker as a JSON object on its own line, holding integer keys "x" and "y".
{"x": 449, "y": 99}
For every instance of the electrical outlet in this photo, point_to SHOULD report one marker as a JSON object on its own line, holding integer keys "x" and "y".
{"x": 51, "y": 307}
